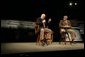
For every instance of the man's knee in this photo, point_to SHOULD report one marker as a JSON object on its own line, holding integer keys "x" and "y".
{"x": 42, "y": 30}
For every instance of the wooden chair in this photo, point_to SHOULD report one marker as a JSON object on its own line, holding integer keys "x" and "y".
{"x": 37, "y": 32}
{"x": 38, "y": 41}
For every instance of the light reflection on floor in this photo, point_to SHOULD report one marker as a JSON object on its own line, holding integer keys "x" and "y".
{"x": 7, "y": 48}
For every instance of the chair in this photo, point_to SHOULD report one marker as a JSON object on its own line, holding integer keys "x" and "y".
{"x": 37, "y": 32}
{"x": 38, "y": 41}
{"x": 68, "y": 35}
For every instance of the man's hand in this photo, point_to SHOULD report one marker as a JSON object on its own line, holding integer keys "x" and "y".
{"x": 49, "y": 20}
{"x": 66, "y": 26}
{"x": 43, "y": 21}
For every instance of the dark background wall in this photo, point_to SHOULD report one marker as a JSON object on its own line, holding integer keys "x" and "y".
{"x": 30, "y": 10}
{"x": 23, "y": 34}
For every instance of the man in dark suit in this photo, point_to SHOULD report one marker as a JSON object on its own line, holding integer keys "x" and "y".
{"x": 43, "y": 27}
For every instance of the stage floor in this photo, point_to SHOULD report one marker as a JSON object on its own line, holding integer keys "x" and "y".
{"x": 21, "y": 47}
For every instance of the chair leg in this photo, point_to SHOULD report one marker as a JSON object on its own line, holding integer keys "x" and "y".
{"x": 52, "y": 39}
{"x": 37, "y": 39}
{"x": 65, "y": 38}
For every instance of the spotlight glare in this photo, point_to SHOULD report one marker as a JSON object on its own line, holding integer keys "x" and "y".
{"x": 75, "y": 3}
{"x": 70, "y": 4}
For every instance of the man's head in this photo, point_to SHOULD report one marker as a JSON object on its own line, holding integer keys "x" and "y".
{"x": 43, "y": 16}
{"x": 65, "y": 17}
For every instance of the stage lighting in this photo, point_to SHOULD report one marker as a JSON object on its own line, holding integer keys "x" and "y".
{"x": 70, "y": 4}
{"x": 75, "y": 3}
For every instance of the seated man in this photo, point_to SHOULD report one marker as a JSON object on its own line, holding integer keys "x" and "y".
{"x": 44, "y": 31}
{"x": 65, "y": 28}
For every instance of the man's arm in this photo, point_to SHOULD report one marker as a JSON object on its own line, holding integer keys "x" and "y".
{"x": 69, "y": 22}
{"x": 60, "y": 23}
{"x": 49, "y": 20}
{"x": 39, "y": 21}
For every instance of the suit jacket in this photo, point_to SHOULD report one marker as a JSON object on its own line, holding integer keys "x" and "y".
{"x": 39, "y": 22}
{"x": 62, "y": 23}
